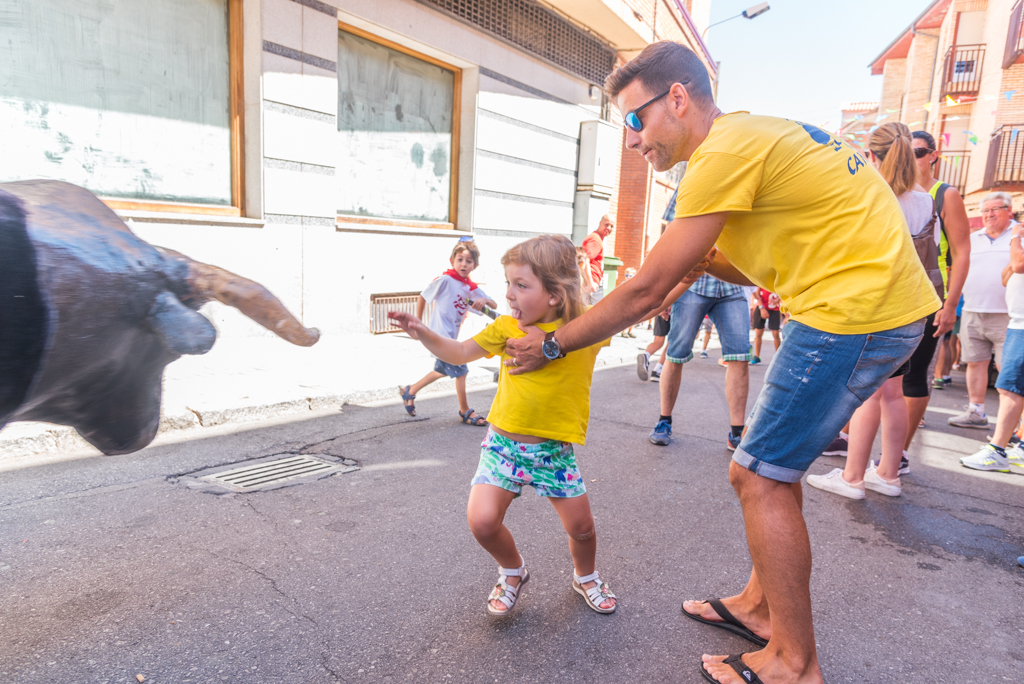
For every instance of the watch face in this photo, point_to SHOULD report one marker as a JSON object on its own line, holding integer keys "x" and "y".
{"x": 551, "y": 349}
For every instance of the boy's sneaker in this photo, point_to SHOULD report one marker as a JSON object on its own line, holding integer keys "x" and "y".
{"x": 732, "y": 441}
{"x": 703, "y": 354}
{"x": 662, "y": 433}
{"x": 1015, "y": 457}
{"x": 876, "y": 483}
{"x": 755, "y": 360}
{"x": 969, "y": 419}
{"x": 838, "y": 447}
{"x": 986, "y": 458}
{"x": 656, "y": 373}
{"x": 834, "y": 482}
{"x": 904, "y": 465}
{"x": 643, "y": 366}
{"x": 938, "y": 384}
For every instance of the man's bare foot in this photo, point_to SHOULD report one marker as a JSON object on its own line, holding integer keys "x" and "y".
{"x": 498, "y": 605}
{"x": 607, "y": 603}
{"x": 756, "y": 621}
{"x": 769, "y": 668}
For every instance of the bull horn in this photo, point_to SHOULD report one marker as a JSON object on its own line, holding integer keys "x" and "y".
{"x": 183, "y": 330}
{"x": 207, "y": 282}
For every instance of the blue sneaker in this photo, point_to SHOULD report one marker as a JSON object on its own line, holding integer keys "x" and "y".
{"x": 732, "y": 442}
{"x": 662, "y": 433}
{"x": 755, "y": 360}
{"x": 703, "y": 354}
{"x": 1021, "y": 561}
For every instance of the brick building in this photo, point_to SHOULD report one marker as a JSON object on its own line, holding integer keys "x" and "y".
{"x": 958, "y": 72}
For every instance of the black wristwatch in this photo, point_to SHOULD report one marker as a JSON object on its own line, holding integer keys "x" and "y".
{"x": 550, "y": 348}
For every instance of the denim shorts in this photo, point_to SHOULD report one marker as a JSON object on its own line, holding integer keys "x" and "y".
{"x": 549, "y": 467}
{"x": 1011, "y": 372}
{"x": 815, "y": 382}
{"x": 450, "y": 369}
{"x": 729, "y": 314}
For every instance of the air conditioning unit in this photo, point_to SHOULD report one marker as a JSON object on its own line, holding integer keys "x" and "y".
{"x": 599, "y": 156}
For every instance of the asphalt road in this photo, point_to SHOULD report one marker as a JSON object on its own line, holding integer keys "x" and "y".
{"x": 111, "y": 567}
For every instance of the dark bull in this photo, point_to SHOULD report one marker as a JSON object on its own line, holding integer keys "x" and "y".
{"x": 90, "y": 314}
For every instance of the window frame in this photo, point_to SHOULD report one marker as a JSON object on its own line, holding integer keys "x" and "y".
{"x": 237, "y": 125}
{"x": 453, "y": 196}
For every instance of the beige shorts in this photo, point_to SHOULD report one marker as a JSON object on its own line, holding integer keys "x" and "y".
{"x": 980, "y": 333}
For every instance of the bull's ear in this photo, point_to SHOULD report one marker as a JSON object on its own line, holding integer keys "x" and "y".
{"x": 183, "y": 330}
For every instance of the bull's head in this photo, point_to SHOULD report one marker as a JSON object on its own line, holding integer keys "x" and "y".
{"x": 90, "y": 314}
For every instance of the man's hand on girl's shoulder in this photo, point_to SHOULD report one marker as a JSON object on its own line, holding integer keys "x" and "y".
{"x": 526, "y": 354}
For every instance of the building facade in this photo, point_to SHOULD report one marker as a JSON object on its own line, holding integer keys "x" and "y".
{"x": 958, "y": 72}
{"x": 335, "y": 151}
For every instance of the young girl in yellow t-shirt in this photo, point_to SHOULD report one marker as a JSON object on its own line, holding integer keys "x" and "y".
{"x": 535, "y": 419}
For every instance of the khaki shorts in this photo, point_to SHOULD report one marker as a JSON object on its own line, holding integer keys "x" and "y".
{"x": 979, "y": 333}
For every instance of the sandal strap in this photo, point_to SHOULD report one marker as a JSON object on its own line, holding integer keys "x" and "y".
{"x": 511, "y": 572}
{"x": 505, "y": 593}
{"x": 592, "y": 577}
{"x": 599, "y": 593}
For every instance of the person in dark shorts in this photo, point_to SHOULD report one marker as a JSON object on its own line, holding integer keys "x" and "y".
{"x": 662, "y": 324}
{"x": 765, "y": 313}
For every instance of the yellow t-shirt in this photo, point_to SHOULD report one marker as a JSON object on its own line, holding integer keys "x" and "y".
{"x": 811, "y": 221}
{"x": 553, "y": 402}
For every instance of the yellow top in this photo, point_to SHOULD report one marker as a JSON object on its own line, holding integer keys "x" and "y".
{"x": 553, "y": 402}
{"x": 811, "y": 221}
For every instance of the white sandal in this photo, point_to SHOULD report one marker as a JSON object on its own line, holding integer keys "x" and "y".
{"x": 595, "y": 595}
{"x": 505, "y": 592}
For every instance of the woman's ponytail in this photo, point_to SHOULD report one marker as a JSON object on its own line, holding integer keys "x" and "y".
{"x": 891, "y": 143}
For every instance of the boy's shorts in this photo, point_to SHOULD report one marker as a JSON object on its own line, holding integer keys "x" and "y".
{"x": 549, "y": 467}
{"x": 449, "y": 369}
{"x": 1011, "y": 372}
{"x": 661, "y": 326}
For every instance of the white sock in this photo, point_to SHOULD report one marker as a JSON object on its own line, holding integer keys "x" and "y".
{"x": 657, "y": 368}
{"x": 978, "y": 408}
{"x": 844, "y": 436}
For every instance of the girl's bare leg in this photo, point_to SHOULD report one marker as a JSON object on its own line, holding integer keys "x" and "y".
{"x": 579, "y": 524}
{"x": 486, "y": 515}
{"x": 862, "y": 430}
{"x": 894, "y": 428}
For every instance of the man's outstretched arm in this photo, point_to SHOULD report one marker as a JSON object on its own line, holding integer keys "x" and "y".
{"x": 683, "y": 246}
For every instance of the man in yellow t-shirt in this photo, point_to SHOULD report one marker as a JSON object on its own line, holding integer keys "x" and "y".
{"x": 798, "y": 212}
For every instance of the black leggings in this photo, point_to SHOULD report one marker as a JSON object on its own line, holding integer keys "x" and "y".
{"x": 916, "y": 382}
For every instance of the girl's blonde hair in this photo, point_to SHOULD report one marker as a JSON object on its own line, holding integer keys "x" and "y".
{"x": 892, "y": 144}
{"x": 552, "y": 258}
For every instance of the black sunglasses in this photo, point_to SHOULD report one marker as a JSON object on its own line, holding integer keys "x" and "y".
{"x": 632, "y": 120}
{"x": 922, "y": 152}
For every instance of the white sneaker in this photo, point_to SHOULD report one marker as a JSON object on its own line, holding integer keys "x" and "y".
{"x": 1015, "y": 457}
{"x": 834, "y": 482}
{"x": 970, "y": 419}
{"x": 643, "y": 366}
{"x": 987, "y": 458}
{"x": 876, "y": 483}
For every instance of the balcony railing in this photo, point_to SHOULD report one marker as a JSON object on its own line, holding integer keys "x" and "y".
{"x": 1005, "y": 164}
{"x": 1014, "y": 35}
{"x": 952, "y": 168}
{"x": 962, "y": 70}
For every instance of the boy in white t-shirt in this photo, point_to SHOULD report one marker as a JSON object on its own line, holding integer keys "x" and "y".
{"x": 450, "y": 296}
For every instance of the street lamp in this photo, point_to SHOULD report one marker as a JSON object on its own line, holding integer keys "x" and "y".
{"x": 748, "y": 13}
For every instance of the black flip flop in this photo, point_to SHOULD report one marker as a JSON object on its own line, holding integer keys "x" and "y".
{"x": 736, "y": 663}
{"x": 729, "y": 624}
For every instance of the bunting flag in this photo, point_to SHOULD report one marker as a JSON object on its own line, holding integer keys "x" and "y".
{"x": 881, "y": 118}
{"x": 913, "y": 123}
{"x": 928, "y": 106}
{"x": 972, "y": 137}
{"x": 1009, "y": 94}
{"x": 873, "y": 128}
{"x": 1013, "y": 136}
{"x": 851, "y": 136}
{"x": 944, "y": 157}
{"x": 950, "y": 102}
{"x": 952, "y": 118}
{"x": 945, "y": 139}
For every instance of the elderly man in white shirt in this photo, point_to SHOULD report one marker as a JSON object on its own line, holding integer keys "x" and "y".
{"x": 985, "y": 318}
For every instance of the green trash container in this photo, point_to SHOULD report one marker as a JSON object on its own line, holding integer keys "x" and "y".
{"x": 611, "y": 272}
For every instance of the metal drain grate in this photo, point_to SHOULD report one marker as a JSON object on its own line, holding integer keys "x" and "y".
{"x": 273, "y": 472}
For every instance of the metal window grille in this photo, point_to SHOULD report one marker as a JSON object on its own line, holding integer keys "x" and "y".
{"x": 953, "y": 165}
{"x": 1005, "y": 157}
{"x": 380, "y": 304}
{"x": 963, "y": 70}
{"x": 538, "y": 30}
{"x": 1014, "y": 35}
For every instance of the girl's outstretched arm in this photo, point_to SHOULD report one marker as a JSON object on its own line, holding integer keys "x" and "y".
{"x": 444, "y": 348}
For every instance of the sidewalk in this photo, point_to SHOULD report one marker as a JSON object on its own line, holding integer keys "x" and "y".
{"x": 248, "y": 379}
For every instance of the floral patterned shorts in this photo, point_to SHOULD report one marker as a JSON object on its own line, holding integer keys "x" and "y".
{"x": 549, "y": 467}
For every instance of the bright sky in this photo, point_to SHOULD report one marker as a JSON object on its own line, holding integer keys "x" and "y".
{"x": 803, "y": 59}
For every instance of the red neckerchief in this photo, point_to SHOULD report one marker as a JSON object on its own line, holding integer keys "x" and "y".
{"x": 455, "y": 274}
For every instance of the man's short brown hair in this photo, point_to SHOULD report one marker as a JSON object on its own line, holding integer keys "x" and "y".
{"x": 658, "y": 67}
